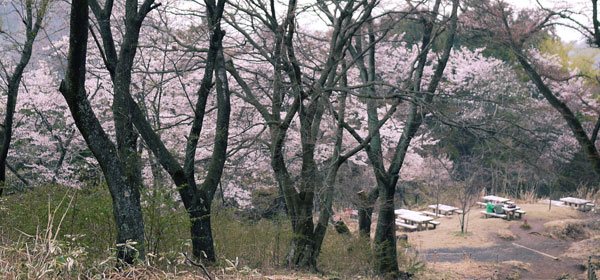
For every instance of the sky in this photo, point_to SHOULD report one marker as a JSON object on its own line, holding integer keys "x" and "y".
{"x": 565, "y": 33}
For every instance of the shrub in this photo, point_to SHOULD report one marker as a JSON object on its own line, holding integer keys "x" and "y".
{"x": 42, "y": 237}
{"x": 525, "y": 226}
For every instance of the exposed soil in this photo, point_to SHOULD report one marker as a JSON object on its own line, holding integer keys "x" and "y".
{"x": 504, "y": 251}
{"x": 542, "y": 267}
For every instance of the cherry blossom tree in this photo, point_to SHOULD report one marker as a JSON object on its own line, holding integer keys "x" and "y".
{"x": 514, "y": 32}
{"x": 294, "y": 107}
{"x": 32, "y": 14}
{"x": 387, "y": 178}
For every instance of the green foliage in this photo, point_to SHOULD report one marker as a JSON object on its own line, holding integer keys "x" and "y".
{"x": 84, "y": 245}
{"x": 346, "y": 255}
{"x": 571, "y": 57}
{"x": 166, "y": 222}
{"x": 414, "y": 264}
{"x": 256, "y": 244}
{"x": 409, "y": 261}
{"x": 267, "y": 203}
{"x": 525, "y": 226}
{"x": 90, "y": 216}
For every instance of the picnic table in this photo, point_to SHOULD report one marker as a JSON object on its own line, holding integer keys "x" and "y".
{"x": 399, "y": 212}
{"x": 577, "y": 202}
{"x": 510, "y": 212}
{"x": 446, "y": 209}
{"x": 419, "y": 220}
{"x": 494, "y": 198}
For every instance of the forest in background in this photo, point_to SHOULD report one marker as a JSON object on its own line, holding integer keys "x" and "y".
{"x": 193, "y": 108}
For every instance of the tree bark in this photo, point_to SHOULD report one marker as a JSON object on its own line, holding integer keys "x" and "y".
{"x": 197, "y": 199}
{"x": 125, "y": 197}
{"x": 384, "y": 242}
{"x": 386, "y": 258}
{"x": 365, "y": 211}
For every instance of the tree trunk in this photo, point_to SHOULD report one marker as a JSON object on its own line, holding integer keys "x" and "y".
{"x": 365, "y": 211}
{"x": 126, "y": 198}
{"x": 2, "y": 176}
{"x": 301, "y": 253}
{"x": 364, "y": 221}
{"x": 14, "y": 81}
{"x": 129, "y": 220}
{"x": 6, "y": 133}
{"x": 197, "y": 198}
{"x": 386, "y": 258}
{"x": 201, "y": 233}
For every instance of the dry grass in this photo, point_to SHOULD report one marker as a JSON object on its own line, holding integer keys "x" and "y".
{"x": 528, "y": 196}
{"x": 42, "y": 255}
{"x": 445, "y": 236}
{"x": 573, "y": 229}
{"x": 466, "y": 269}
{"x": 540, "y": 211}
{"x": 479, "y": 229}
{"x": 517, "y": 265}
{"x": 582, "y": 249}
{"x": 506, "y": 234}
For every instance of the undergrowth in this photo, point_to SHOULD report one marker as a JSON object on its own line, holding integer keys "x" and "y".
{"x": 58, "y": 232}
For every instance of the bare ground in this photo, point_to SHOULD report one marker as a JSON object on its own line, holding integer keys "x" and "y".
{"x": 489, "y": 250}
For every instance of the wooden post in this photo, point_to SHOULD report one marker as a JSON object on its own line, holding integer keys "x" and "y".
{"x": 434, "y": 257}
{"x": 589, "y": 268}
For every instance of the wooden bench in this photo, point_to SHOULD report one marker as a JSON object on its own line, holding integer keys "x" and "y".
{"x": 520, "y": 212}
{"x": 406, "y": 226}
{"x": 481, "y": 204}
{"x": 434, "y": 223}
{"x": 431, "y": 214}
{"x": 458, "y": 211}
{"x": 486, "y": 214}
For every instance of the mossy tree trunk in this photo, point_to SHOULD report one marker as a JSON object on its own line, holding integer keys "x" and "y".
{"x": 125, "y": 197}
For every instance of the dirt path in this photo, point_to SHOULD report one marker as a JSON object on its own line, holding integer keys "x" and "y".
{"x": 542, "y": 267}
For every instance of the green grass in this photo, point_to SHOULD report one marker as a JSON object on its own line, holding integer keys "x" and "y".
{"x": 461, "y": 234}
{"x": 84, "y": 241}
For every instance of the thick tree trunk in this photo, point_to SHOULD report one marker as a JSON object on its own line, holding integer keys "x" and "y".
{"x": 126, "y": 198}
{"x": 301, "y": 253}
{"x": 386, "y": 258}
{"x": 366, "y": 204}
{"x": 6, "y": 129}
{"x": 201, "y": 232}
{"x": 365, "y": 215}
{"x": 129, "y": 220}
